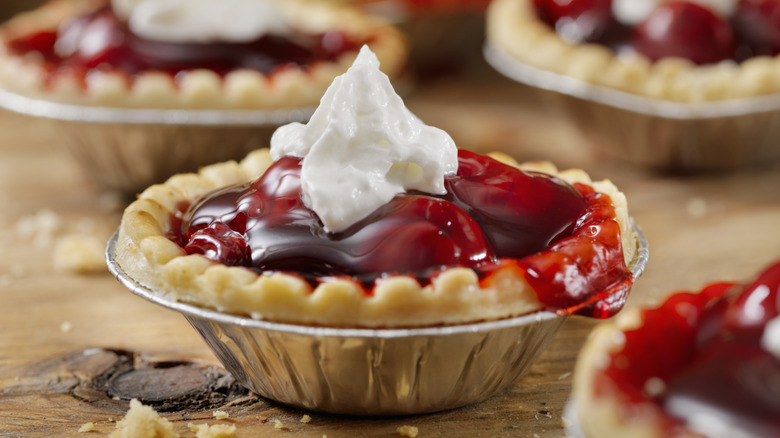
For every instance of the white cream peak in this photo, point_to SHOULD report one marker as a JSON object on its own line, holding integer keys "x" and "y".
{"x": 770, "y": 341}
{"x": 633, "y": 12}
{"x": 362, "y": 147}
{"x": 202, "y": 21}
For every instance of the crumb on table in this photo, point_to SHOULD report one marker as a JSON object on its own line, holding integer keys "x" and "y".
{"x": 143, "y": 421}
{"x": 79, "y": 254}
{"x": 221, "y": 415}
{"x": 214, "y": 431}
{"x": 410, "y": 431}
{"x": 87, "y": 427}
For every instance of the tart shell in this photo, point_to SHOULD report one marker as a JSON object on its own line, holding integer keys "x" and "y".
{"x": 514, "y": 27}
{"x": 454, "y": 296}
{"x": 195, "y": 89}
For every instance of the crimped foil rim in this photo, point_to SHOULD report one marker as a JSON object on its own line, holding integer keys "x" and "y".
{"x": 637, "y": 268}
{"x": 98, "y": 114}
{"x": 527, "y": 74}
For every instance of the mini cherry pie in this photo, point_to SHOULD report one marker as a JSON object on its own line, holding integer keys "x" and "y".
{"x": 686, "y": 51}
{"x": 701, "y": 364}
{"x": 83, "y": 52}
{"x": 505, "y": 240}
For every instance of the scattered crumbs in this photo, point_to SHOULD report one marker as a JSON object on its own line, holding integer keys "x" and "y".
{"x": 142, "y": 421}
{"x": 536, "y": 435}
{"x": 221, "y": 415}
{"x": 39, "y": 227}
{"x": 80, "y": 254}
{"x": 87, "y": 427}
{"x": 305, "y": 419}
{"x": 215, "y": 431}
{"x": 278, "y": 425}
{"x": 66, "y": 326}
{"x": 410, "y": 431}
{"x": 542, "y": 414}
{"x": 564, "y": 376}
{"x": 696, "y": 207}
{"x": 16, "y": 378}
{"x": 116, "y": 397}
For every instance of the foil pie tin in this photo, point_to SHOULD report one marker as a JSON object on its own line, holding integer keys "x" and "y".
{"x": 370, "y": 371}
{"x": 125, "y": 150}
{"x": 659, "y": 134}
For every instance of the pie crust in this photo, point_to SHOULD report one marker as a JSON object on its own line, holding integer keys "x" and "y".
{"x": 603, "y": 408}
{"x": 196, "y": 89}
{"x": 455, "y": 296}
{"x": 513, "y": 26}
{"x": 599, "y": 416}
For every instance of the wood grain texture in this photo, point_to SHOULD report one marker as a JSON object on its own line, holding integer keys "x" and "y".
{"x": 701, "y": 229}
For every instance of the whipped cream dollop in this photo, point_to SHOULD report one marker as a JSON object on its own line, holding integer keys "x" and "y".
{"x": 633, "y": 12}
{"x": 202, "y": 21}
{"x": 770, "y": 341}
{"x": 362, "y": 147}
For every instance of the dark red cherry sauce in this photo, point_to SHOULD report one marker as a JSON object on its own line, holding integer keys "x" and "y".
{"x": 563, "y": 238}
{"x": 100, "y": 40}
{"x": 705, "y": 350}
{"x": 683, "y": 29}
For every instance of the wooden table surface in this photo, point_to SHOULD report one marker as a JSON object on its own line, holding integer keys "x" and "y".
{"x": 701, "y": 228}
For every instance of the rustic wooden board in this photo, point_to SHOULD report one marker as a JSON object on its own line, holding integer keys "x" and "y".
{"x": 701, "y": 229}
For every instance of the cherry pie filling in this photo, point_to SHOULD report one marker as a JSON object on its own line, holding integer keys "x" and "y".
{"x": 702, "y": 352}
{"x": 100, "y": 40}
{"x": 674, "y": 29}
{"x": 564, "y": 239}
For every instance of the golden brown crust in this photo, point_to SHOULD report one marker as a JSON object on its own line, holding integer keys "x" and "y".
{"x": 601, "y": 416}
{"x": 514, "y": 27}
{"x": 455, "y": 296}
{"x": 197, "y": 89}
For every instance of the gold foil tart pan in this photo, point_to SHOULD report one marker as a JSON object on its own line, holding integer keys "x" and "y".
{"x": 370, "y": 371}
{"x": 664, "y": 135}
{"x": 126, "y": 150}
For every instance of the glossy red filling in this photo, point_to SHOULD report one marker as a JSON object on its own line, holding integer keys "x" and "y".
{"x": 100, "y": 40}
{"x": 705, "y": 350}
{"x": 675, "y": 29}
{"x": 562, "y": 238}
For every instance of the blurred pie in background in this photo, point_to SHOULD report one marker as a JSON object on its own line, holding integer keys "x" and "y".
{"x": 168, "y": 54}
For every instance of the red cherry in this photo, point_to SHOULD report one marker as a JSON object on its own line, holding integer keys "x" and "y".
{"x": 759, "y": 303}
{"x": 577, "y": 20}
{"x": 757, "y": 22}
{"x": 218, "y": 242}
{"x": 685, "y": 30}
{"x": 417, "y": 233}
{"x": 521, "y": 213}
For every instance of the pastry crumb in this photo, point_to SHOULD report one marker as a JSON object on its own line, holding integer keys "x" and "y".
{"x": 564, "y": 376}
{"x": 87, "y": 427}
{"x": 279, "y": 425}
{"x": 79, "y": 254}
{"x": 410, "y": 431}
{"x": 66, "y": 326}
{"x": 214, "y": 431}
{"x": 142, "y": 421}
{"x": 697, "y": 207}
{"x": 39, "y": 227}
{"x": 542, "y": 414}
{"x": 305, "y": 419}
{"x": 221, "y": 415}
